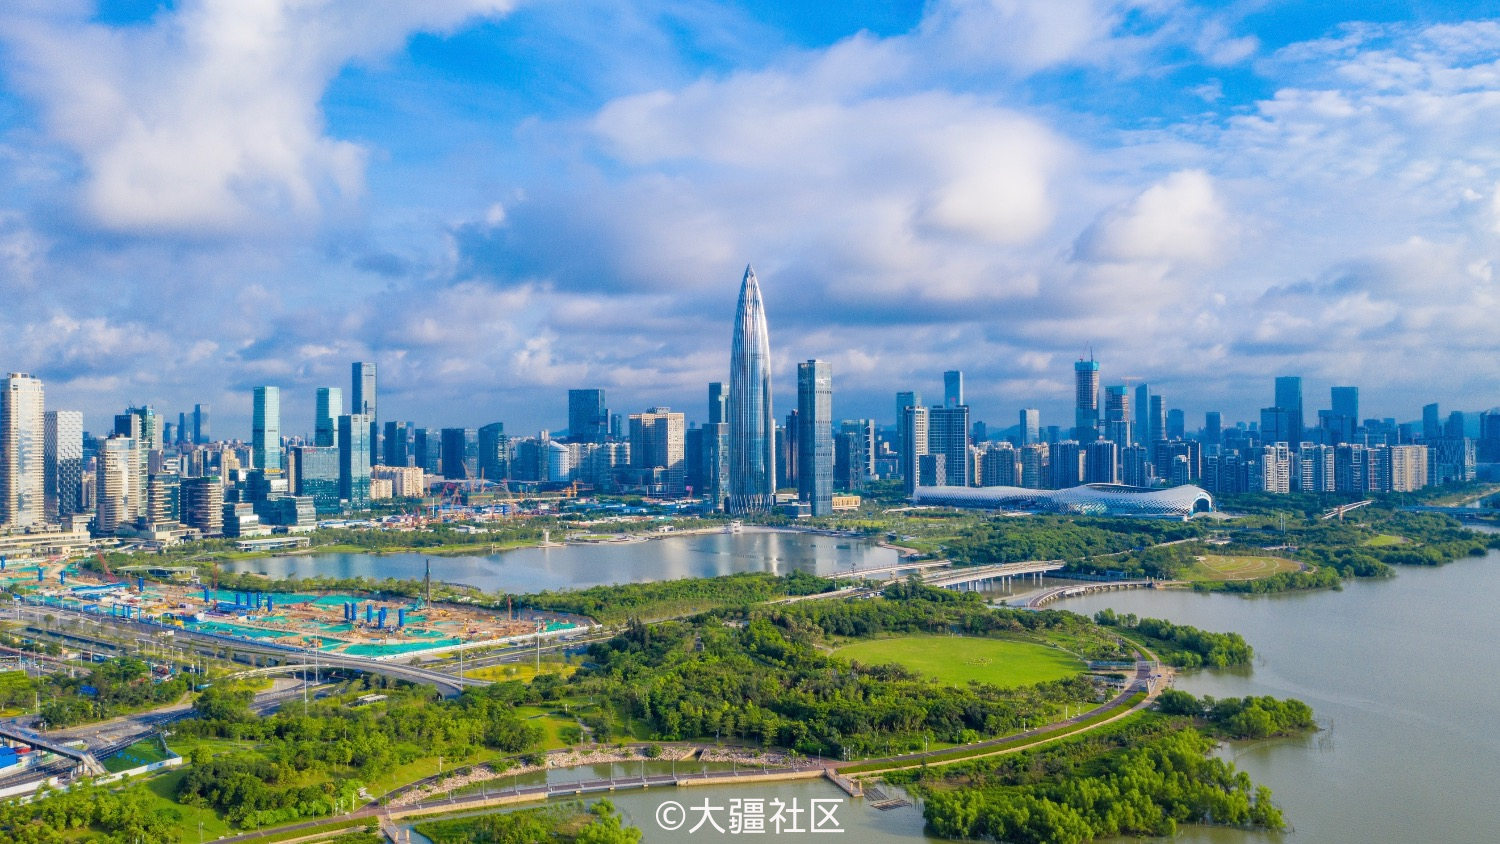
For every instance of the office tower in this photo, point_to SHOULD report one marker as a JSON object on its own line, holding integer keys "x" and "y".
{"x": 1176, "y": 424}
{"x": 460, "y": 453}
{"x": 265, "y": 430}
{"x": 354, "y": 460}
{"x": 1086, "y": 417}
{"x": 716, "y": 463}
{"x": 658, "y": 445}
{"x": 116, "y": 489}
{"x": 1156, "y": 426}
{"x": 864, "y": 433}
{"x": 948, "y": 435}
{"x": 1455, "y": 426}
{"x": 1213, "y": 428}
{"x": 1135, "y": 465}
{"x": 953, "y": 388}
{"x": 1034, "y": 465}
{"x": 903, "y": 401}
{"x": 182, "y": 429}
{"x": 200, "y": 424}
{"x": 1000, "y": 466}
{"x": 1432, "y": 426}
{"x": 1289, "y": 398}
{"x": 1101, "y": 462}
{"x": 493, "y": 452}
{"x": 362, "y": 403}
{"x": 1450, "y": 460}
{"x": 588, "y": 418}
{"x": 1275, "y": 425}
{"x": 752, "y": 425}
{"x": 1344, "y": 417}
{"x": 718, "y": 403}
{"x": 815, "y": 437}
{"x": 203, "y": 504}
{"x": 428, "y": 448}
{"x": 692, "y": 459}
{"x": 914, "y": 446}
{"x": 1118, "y": 427}
{"x": 62, "y": 458}
{"x": 1142, "y": 406}
{"x": 316, "y": 476}
{"x": 1030, "y": 426}
{"x": 1066, "y": 464}
{"x": 932, "y": 469}
{"x": 326, "y": 418}
{"x": 393, "y": 446}
{"x": 1487, "y": 449}
{"x": 789, "y": 451}
{"x": 23, "y": 466}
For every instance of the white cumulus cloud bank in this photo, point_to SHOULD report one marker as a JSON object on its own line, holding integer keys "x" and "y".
{"x": 206, "y": 118}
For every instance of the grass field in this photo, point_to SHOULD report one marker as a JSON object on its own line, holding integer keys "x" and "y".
{"x": 1384, "y": 539}
{"x": 1238, "y": 568}
{"x": 134, "y": 756}
{"x": 959, "y": 659}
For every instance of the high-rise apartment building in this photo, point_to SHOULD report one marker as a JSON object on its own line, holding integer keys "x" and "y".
{"x": 752, "y": 423}
{"x": 203, "y": 505}
{"x": 909, "y": 398}
{"x": 1000, "y": 465}
{"x": 265, "y": 429}
{"x": 120, "y": 497}
{"x": 914, "y": 426}
{"x": 815, "y": 439}
{"x": 953, "y": 388}
{"x": 1086, "y": 394}
{"x": 1066, "y": 464}
{"x": 330, "y": 407}
{"x": 588, "y": 418}
{"x": 62, "y": 457}
{"x": 658, "y": 442}
{"x": 23, "y": 500}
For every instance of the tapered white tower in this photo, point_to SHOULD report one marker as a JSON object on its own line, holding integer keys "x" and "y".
{"x": 752, "y": 425}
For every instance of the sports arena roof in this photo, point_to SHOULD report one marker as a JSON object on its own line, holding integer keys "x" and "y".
{"x": 1089, "y": 499}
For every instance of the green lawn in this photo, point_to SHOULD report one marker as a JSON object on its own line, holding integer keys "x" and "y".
{"x": 134, "y": 756}
{"x": 550, "y": 720}
{"x": 164, "y": 789}
{"x": 959, "y": 659}
{"x": 1238, "y": 568}
{"x": 1384, "y": 539}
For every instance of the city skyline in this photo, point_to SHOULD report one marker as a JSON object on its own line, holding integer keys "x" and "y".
{"x": 1172, "y": 185}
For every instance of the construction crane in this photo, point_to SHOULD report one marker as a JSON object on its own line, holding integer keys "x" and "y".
{"x": 108, "y": 574}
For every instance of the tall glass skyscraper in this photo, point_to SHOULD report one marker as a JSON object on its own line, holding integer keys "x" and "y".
{"x": 815, "y": 440}
{"x": 1086, "y": 418}
{"x": 752, "y": 425}
{"x": 588, "y": 418}
{"x": 22, "y": 458}
{"x": 1289, "y": 398}
{"x": 362, "y": 402}
{"x": 953, "y": 388}
{"x": 326, "y": 418}
{"x": 265, "y": 429}
{"x": 354, "y": 460}
{"x": 63, "y": 456}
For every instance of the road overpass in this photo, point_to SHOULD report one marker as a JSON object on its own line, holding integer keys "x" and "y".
{"x": 37, "y": 741}
{"x": 975, "y": 577}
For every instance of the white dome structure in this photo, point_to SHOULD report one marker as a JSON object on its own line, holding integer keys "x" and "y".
{"x": 1090, "y": 499}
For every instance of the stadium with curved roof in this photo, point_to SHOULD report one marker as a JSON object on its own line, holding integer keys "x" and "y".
{"x": 1178, "y": 502}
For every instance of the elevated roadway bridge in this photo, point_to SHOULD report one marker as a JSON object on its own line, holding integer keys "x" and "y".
{"x": 977, "y": 577}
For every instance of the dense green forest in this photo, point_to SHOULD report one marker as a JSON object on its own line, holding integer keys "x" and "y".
{"x": 1181, "y": 645}
{"x": 569, "y": 822}
{"x": 611, "y": 604}
{"x": 304, "y": 764}
{"x": 1241, "y": 718}
{"x": 763, "y": 677}
{"x": 120, "y": 685}
{"x": 1146, "y": 779}
{"x": 115, "y": 816}
{"x": 1010, "y": 539}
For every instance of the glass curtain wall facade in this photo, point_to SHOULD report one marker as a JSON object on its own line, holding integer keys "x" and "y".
{"x": 752, "y": 423}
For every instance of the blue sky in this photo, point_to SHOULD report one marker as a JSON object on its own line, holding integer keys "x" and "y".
{"x": 500, "y": 200}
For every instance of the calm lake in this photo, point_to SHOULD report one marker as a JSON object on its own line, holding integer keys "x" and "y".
{"x": 577, "y": 566}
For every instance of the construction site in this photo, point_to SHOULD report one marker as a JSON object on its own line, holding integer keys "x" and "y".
{"x": 349, "y": 624}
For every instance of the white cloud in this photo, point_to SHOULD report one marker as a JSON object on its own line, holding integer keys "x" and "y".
{"x": 207, "y": 119}
{"x": 1180, "y": 218}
